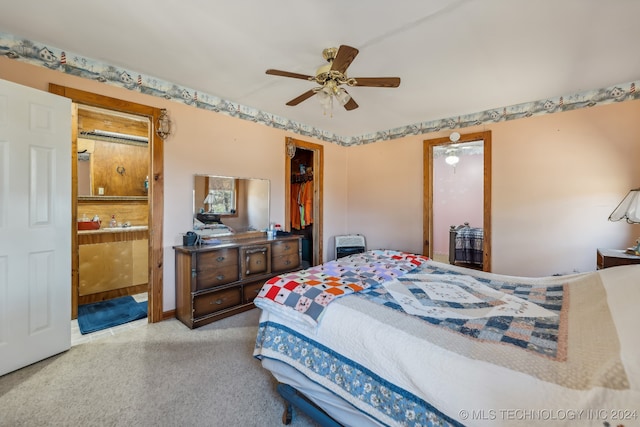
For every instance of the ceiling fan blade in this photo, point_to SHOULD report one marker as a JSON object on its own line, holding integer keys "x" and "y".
{"x": 378, "y": 81}
{"x": 344, "y": 57}
{"x": 295, "y": 101}
{"x": 351, "y": 104}
{"x": 289, "y": 74}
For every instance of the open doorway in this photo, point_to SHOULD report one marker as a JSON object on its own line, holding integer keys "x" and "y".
{"x": 304, "y": 169}
{"x": 113, "y": 183}
{"x": 457, "y": 175}
{"x": 154, "y": 200}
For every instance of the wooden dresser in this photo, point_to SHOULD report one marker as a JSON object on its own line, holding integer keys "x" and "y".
{"x": 217, "y": 281}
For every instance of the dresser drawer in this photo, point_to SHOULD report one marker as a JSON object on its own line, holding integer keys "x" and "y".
{"x": 255, "y": 260}
{"x": 216, "y": 301}
{"x": 285, "y": 247}
{"x": 251, "y": 290}
{"x": 216, "y": 259}
{"x": 285, "y": 262}
{"x": 215, "y": 277}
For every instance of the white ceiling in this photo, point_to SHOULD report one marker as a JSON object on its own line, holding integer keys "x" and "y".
{"x": 454, "y": 57}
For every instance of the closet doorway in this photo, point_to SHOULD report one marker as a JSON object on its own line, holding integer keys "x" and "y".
{"x": 155, "y": 192}
{"x": 304, "y": 169}
{"x": 451, "y": 151}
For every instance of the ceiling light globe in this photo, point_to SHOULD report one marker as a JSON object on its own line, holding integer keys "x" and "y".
{"x": 452, "y": 160}
{"x": 342, "y": 96}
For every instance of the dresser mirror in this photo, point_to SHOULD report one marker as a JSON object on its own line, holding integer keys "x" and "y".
{"x": 242, "y": 204}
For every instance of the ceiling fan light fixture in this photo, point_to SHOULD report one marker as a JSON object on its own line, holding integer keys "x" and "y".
{"x": 332, "y": 75}
{"x": 342, "y": 96}
{"x": 324, "y": 96}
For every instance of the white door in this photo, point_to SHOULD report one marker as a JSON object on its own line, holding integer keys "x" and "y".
{"x": 35, "y": 225}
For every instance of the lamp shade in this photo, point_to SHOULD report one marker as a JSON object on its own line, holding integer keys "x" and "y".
{"x": 209, "y": 200}
{"x": 629, "y": 208}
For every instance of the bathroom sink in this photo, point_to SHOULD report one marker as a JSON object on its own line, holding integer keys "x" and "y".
{"x": 123, "y": 229}
{"x": 128, "y": 228}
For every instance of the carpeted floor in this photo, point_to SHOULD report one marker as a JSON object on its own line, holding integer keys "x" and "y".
{"x": 163, "y": 374}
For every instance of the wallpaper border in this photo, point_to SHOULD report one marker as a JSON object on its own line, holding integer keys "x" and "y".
{"x": 56, "y": 59}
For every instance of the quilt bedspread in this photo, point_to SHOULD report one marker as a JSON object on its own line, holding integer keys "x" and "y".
{"x": 527, "y": 316}
{"x": 432, "y": 345}
{"x": 304, "y": 295}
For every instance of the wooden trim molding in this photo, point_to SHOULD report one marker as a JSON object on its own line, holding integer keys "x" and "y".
{"x": 155, "y": 196}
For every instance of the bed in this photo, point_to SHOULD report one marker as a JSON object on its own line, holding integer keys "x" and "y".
{"x": 391, "y": 338}
{"x": 466, "y": 245}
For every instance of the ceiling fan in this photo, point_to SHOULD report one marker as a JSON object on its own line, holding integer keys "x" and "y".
{"x": 333, "y": 75}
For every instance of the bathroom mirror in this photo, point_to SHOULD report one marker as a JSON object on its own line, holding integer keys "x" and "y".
{"x": 239, "y": 203}
{"x": 113, "y": 154}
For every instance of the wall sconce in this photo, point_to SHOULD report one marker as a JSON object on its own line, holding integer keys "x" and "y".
{"x": 291, "y": 148}
{"x": 163, "y": 126}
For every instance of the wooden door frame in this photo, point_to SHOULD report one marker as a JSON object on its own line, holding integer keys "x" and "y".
{"x": 155, "y": 195}
{"x": 427, "y": 211}
{"x": 318, "y": 192}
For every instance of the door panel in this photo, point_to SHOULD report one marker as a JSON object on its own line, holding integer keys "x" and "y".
{"x": 35, "y": 225}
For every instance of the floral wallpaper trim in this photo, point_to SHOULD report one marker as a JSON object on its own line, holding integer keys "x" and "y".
{"x": 59, "y": 60}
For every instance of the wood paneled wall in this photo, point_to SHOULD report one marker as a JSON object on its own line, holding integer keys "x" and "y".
{"x": 136, "y": 212}
{"x": 120, "y": 169}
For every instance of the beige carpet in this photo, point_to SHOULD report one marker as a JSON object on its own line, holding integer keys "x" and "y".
{"x": 162, "y": 374}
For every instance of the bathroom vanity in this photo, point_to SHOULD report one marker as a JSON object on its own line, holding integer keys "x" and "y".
{"x": 112, "y": 262}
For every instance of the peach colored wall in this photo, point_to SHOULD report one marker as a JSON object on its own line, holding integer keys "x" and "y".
{"x": 210, "y": 143}
{"x": 556, "y": 179}
{"x": 457, "y": 197}
{"x": 385, "y": 193}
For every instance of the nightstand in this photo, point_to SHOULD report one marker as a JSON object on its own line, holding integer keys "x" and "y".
{"x": 614, "y": 257}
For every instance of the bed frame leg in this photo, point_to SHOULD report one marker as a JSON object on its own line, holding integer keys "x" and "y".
{"x": 292, "y": 397}
{"x": 287, "y": 414}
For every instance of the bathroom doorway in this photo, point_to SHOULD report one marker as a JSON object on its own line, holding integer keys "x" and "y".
{"x": 113, "y": 174}
{"x": 153, "y": 200}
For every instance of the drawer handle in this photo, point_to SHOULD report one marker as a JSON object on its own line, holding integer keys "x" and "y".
{"x": 220, "y": 276}
{"x": 287, "y": 247}
{"x": 219, "y": 301}
{"x": 220, "y": 259}
{"x": 287, "y": 262}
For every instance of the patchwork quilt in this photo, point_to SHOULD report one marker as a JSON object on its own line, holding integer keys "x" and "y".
{"x": 439, "y": 344}
{"x": 304, "y": 295}
{"x": 487, "y": 309}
